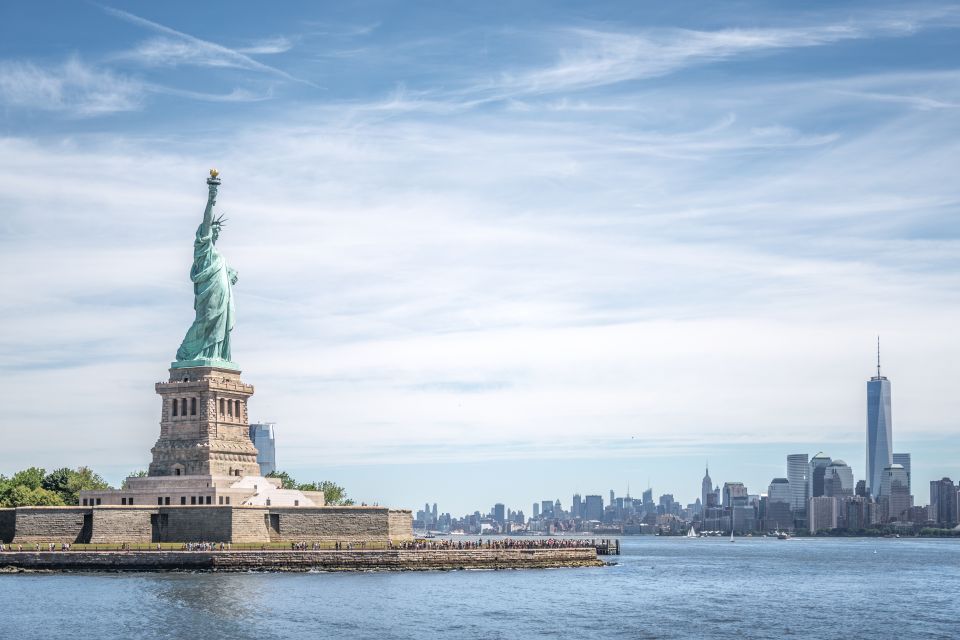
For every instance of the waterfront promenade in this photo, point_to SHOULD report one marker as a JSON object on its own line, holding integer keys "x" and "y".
{"x": 356, "y": 559}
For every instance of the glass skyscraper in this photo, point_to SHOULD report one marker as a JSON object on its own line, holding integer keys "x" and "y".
{"x": 263, "y": 439}
{"x": 798, "y": 469}
{"x": 879, "y": 430}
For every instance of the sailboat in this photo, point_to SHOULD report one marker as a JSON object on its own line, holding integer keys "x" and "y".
{"x": 691, "y": 532}
{"x": 731, "y": 535}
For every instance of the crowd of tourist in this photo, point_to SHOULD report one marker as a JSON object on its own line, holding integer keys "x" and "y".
{"x": 445, "y": 544}
{"x": 505, "y": 543}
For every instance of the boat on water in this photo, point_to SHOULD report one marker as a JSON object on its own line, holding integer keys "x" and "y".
{"x": 691, "y": 532}
{"x": 731, "y": 536}
{"x": 783, "y": 535}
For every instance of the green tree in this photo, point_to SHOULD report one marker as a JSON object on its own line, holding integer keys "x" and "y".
{"x": 83, "y": 479}
{"x": 287, "y": 480}
{"x": 58, "y": 481}
{"x": 333, "y": 493}
{"x": 23, "y": 496}
{"x": 31, "y": 478}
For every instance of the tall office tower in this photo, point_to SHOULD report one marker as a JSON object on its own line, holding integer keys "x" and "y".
{"x": 904, "y": 459}
{"x": 798, "y": 468}
{"x": 263, "y": 438}
{"x": 546, "y": 508}
{"x": 593, "y": 508}
{"x": 838, "y": 480}
{"x": 733, "y": 490}
{"x": 818, "y": 467}
{"x": 557, "y": 509}
{"x": 822, "y": 514}
{"x": 611, "y": 496}
{"x": 577, "y": 510}
{"x": 498, "y": 513}
{"x": 706, "y": 486}
{"x": 648, "y": 497}
{"x": 894, "y": 492}
{"x": 536, "y": 510}
{"x": 779, "y": 515}
{"x": 879, "y": 429}
{"x": 943, "y": 501}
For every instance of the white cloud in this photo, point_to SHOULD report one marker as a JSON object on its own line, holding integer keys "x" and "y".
{"x": 179, "y": 48}
{"x": 73, "y": 87}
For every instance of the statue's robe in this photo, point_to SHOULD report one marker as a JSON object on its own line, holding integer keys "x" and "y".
{"x": 209, "y": 335}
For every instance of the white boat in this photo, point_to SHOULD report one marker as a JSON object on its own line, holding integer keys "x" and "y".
{"x": 731, "y": 536}
{"x": 691, "y": 532}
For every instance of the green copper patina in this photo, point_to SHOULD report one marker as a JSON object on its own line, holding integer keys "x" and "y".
{"x": 207, "y": 343}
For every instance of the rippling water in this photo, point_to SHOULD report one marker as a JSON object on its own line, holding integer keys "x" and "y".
{"x": 661, "y": 588}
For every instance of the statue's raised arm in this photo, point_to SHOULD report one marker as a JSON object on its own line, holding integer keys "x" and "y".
{"x": 207, "y": 342}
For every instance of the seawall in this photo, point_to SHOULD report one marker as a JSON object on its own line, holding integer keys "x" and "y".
{"x": 359, "y": 560}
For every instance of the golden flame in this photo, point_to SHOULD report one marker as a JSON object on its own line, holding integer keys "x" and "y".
{"x": 214, "y": 173}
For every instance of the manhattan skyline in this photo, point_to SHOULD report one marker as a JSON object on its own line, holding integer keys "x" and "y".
{"x": 575, "y": 249}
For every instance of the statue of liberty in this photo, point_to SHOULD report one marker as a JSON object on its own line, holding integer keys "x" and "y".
{"x": 207, "y": 343}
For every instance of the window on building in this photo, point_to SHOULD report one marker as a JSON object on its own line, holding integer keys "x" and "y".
{"x": 220, "y": 500}
{"x": 123, "y": 501}
{"x": 84, "y": 502}
{"x": 236, "y": 408}
{"x": 173, "y": 411}
{"x": 268, "y": 502}
{"x": 193, "y": 406}
{"x": 193, "y": 499}
{"x": 166, "y": 500}
{"x": 230, "y": 408}
{"x": 209, "y": 499}
{"x": 223, "y": 408}
{"x": 296, "y": 503}
{"x": 176, "y": 471}
{"x": 228, "y": 499}
{"x": 160, "y": 501}
{"x": 98, "y": 501}
{"x": 183, "y": 406}
{"x": 130, "y": 500}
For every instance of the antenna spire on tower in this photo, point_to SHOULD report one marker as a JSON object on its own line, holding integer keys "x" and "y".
{"x": 878, "y": 356}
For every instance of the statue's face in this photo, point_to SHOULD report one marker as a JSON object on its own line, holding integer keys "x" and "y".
{"x": 216, "y": 233}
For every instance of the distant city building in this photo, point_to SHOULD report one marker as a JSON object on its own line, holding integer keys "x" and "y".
{"x": 798, "y": 470}
{"x": 904, "y": 460}
{"x": 557, "y": 509}
{"x": 546, "y": 508}
{"x": 895, "y": 493}
{"x": 576, "y": 510}
{"x": 263, "y": 438}
{"x": 648, "y": 498}
{"x": 943, "y": 501}
{"x": 536, "y": 510}
{"x": 818, "y": 467}
{"x": 838, "y": 480}
{"x": 778, "y": 513}
{"x": 733, "y": 490}
{"x": 706, "y": 486}
{"x": 593, "y": 508}
{"x": 498, "y": 513}
{"x": 879, "y": 430}
{"x": 821, "y": 514}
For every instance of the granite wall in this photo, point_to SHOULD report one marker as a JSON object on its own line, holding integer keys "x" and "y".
{"x": 123, "y": 524}
{"x": 400, "y": 524}
{"x": 144, "y": 524}
{"x": 52, "y": 524}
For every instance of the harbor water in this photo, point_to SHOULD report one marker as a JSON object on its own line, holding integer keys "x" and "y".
{"x": 659, "y": 588}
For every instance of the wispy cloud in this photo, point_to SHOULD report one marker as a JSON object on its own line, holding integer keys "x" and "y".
{"x": 268, "y": 46}
{"x": 593, "y": 58}
{"x": 179, "y": 48}
{"x": 73, "y": 87}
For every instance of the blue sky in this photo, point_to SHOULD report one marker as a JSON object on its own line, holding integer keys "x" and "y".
{"x": 488, "y": 251}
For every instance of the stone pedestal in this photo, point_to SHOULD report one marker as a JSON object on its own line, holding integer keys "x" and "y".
{"x": 204, "y": 427}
